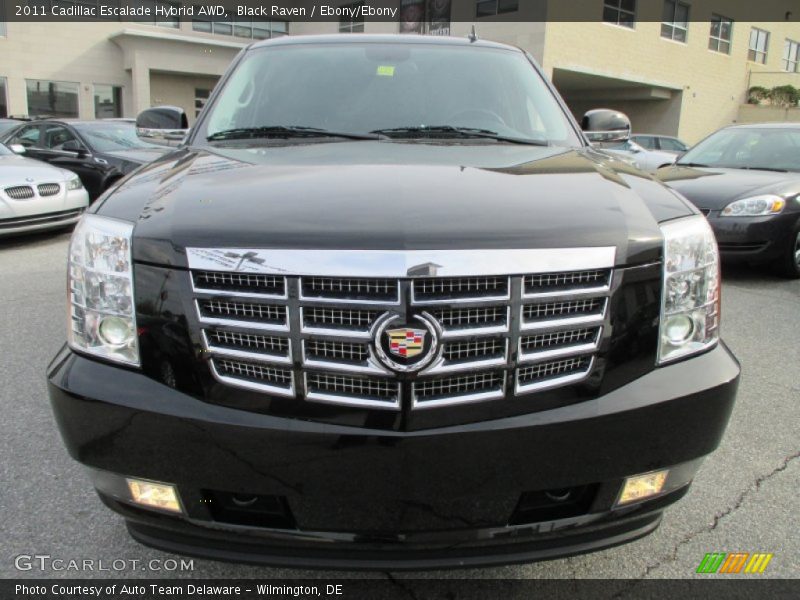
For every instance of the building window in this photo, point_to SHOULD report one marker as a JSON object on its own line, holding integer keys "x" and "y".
{"x": 490, "y": 8}
{"x": 52, "y": 98}
{"x": 348, "y": 25}
{"x": 159, "y": 8}
{"x": 675, "y": 21}
{"x": 759, "y": 44}
{"x": 200, "y": 98}
{"x": 107, "y": 101}
{"x": 3, "y": 99}
{"x": 620, "y": 12}
{"x": 721, "y": 34}
{"x": 243, "y": 28}
{"x": 791, "y": 57}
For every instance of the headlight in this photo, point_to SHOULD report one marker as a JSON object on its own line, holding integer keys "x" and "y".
{"x": 100, "y": 282}
{"x": 691, "y": 295}
{"x": 74, "y": 184}
{"x": 757, "y": 206}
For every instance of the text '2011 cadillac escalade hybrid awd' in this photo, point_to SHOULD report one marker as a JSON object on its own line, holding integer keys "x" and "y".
{"x": 385, "y": 307}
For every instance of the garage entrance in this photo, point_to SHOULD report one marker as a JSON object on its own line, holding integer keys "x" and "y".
{"x": 652, "y": 108}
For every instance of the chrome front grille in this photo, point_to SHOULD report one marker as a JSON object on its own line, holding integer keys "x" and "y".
{"x": 20, "y": 192}
{"x": 48, "y": 189}
{"x": 311, "y": 337}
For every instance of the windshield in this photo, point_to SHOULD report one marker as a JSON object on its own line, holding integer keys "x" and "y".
{"x": 770, "y": 149}
{"x": 358, "y": 88}
{"x": 7, "y": 125}
{"x": 112, "y": 136}
{"x": 4, "y": 151}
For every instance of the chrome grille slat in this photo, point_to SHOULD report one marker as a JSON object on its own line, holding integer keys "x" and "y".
{"x": 459, "y": 389}
{"x": 551, "y": 374}
{"x": 460, "y": 289}
{"x": 552, "y": 339}
{"x": 247, "y": 345}
{"x": 350, "y": 290}
{"x": 345, "y": 389}
{"x": 48, "y": 189}
{"x": 566, "y": 283}
{"x": 239, "y": 284}
{"x": 20, "y": 192}
{"x": 474, "y": 349}
{"x": 254, "y": 376}
{"x": 551, "y": 344}
{"x": 337, "y": 321}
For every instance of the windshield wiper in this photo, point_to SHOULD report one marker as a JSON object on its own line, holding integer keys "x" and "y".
{"x": 691, "y": 164}
{"x": 449, "y": 131}
{"x": 285, "y": 132}
{"x": 764, "y": 169}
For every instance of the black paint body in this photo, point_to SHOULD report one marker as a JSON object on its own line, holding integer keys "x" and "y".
{"x": 365, "y": 488}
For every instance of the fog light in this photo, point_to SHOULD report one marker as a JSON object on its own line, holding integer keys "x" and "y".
{"x": 115, "y": 331}
{"x": 644, "y": 486}
{"x": 678, "y": 329}
{"x": 154, "y": 495}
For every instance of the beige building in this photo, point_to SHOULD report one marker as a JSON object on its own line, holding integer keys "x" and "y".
{"x": 676, "y": 67}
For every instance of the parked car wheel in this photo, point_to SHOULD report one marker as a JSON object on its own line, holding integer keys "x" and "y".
{"x": 791, "y": 261}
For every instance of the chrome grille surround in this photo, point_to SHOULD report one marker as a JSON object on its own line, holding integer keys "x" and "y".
{"x": 499, "y": 333}
{"x": 48, "y": 189}
{"x": 20, "y": 192}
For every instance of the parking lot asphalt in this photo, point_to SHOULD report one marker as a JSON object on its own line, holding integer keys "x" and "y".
{"x": 745, "y": 498}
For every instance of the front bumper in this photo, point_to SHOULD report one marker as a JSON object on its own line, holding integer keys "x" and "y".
{"x": 42, "y": 214}
{"x": 362, "y": 498}
{"x": 753, "y": 239}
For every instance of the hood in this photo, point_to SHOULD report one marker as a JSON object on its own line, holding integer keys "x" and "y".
{"x": 138, "y": 155}
{"x": 392, "y": 196}
{"x": 714, "y": 189}
{"x": 17, "y": 170}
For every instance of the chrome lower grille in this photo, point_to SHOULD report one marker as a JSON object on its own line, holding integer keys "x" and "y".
{"x": 551, "y": 374}
{"x": 311, "y": 337}
{"x": 254, "y": 375}
{"x": 461, "y": 389}
{"x": 20, "y": 192}
{"x": 345, "y": 389}
{"x": 48, "y": 189}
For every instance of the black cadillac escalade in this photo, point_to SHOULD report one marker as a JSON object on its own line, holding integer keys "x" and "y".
{"x": 385, "y": 307}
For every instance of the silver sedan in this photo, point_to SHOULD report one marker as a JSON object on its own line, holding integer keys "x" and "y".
{"x": 35, "y": 196}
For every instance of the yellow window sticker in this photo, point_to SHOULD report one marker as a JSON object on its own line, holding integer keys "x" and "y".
{"x": 385, "y": 71}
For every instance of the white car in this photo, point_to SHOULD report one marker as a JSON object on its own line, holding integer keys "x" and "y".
{"x": 646, "y": 160}
{"x": 35, "y": 196}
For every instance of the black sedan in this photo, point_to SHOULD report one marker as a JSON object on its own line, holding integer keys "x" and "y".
{"x": 746, "y": 180}
{"x": 100, "y": 152}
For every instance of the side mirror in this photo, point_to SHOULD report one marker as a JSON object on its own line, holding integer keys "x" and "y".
{"x": 166, "y": 125}
{"x": 605, "y": 125}
{"x": 74, "y": 146}
{"x": 17, "y": 148}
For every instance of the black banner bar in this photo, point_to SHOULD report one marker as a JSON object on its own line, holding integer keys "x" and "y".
{"x": 391, "y": 587}
{"x": 435, "y": 14}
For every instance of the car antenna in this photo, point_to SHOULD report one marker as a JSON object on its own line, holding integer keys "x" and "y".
{"x": 473, "y": 35}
